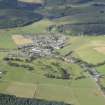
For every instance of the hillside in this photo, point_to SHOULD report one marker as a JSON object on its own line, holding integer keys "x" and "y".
{"x": 77, "y": 16}
{"x": 68, "y": 16}
{"x": 16, "y": 14}
{"x": 52, "y": 52}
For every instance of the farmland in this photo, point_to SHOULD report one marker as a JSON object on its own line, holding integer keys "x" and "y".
{"x": 53, "y": 51}
{"x": 69, "y": 91}
{"x": 37, "y": 85}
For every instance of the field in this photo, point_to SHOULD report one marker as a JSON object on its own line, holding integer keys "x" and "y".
{"x": 80, "y": 88}
{"x": 70, "y": 91}
{"x": 20, "y": 40}
{"x": 74, "y": 91}
{"x": 36, "y": 85}
{"x": 23, "y": 83}
{"x": 100, "y": 49}
{"x": 22, "y": 90}
{"x": 84, "y": 48}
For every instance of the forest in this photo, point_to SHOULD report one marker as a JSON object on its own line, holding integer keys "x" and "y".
{"x": 13, "y": 100}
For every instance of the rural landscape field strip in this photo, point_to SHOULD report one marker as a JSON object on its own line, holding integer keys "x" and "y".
{"x": 43, "y": 87}
{"x": 52, "y": 50}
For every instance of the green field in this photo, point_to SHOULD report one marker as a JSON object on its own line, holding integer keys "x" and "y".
{"x": 24, "y": 83}
{"x": 101, "y": 69}
{"x": 34, "y": 83}
{"x": 84, "y": 48}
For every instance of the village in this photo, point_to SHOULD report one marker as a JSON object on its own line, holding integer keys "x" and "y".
{"x": 32, "y": 47}
{"x": 42, "y": 45}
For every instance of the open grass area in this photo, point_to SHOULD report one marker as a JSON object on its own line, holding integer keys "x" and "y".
{"x": 22, "y": 90}
{"x": 79, "y": 92}
{"x": 46, "y": 79}
{"x": 20, "y": 82}
{"x": 101, "y": 69}
{"x": 74, "y": 91}
{"x": 90, "y": 55}
{"x": 6, "y": 34}
{"x": 84, "y": 48}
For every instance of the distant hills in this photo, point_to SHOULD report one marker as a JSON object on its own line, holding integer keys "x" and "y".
{"x": 8, "y": 2}
{"x": 69, "y": 16}
{"x": 14, "y": 13}
{"x": 77, "y": 17}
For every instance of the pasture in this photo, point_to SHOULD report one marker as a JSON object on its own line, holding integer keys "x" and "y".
{"x": 101, "y": 69}
{"x": 33, "y": 84}
{"x": 22, "y": 90}
{"x": 7, "y": 34}
{"x": 85, "y": 48}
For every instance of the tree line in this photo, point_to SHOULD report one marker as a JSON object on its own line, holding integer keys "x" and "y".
{"x": 13, "y": 100}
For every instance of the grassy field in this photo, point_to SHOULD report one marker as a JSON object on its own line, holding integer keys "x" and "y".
{"x": 22, "y": 83}
{"x": 6, "y": 34}
{"x": 10, "y": 18}
{"x": 84, "y": 48}
{"x": 101, "y": 69}
{"x": 35, "y": 84}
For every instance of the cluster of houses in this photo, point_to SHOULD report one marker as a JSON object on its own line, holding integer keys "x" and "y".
{"x": 43, "y": 45}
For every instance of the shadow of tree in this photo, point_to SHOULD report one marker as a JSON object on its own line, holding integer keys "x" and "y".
{"x": 13, "y": 100}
